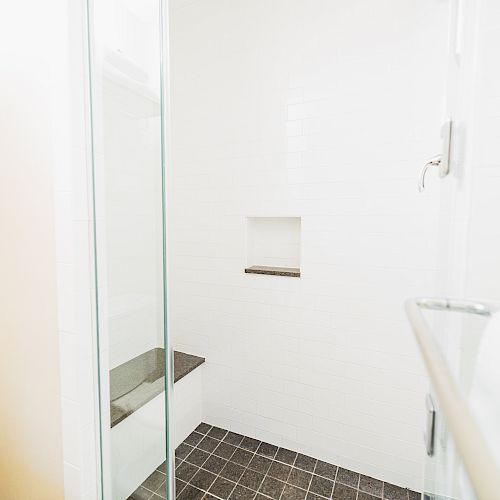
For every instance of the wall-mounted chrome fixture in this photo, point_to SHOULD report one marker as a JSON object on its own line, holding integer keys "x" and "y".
{"x": 442, "y": 161}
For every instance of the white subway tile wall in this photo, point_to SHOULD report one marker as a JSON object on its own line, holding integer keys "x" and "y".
{"x": 323, "y": 110}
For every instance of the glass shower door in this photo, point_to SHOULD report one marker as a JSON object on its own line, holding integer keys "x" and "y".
{"x": 125, "y": 62}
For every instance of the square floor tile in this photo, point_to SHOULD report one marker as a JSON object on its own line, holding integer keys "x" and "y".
{"x": 197, "y": 457}
{"x": 222, "y": 487}
{"x": 366, "y": 496}
{"x": 154, "y": 481}
{"x": 232, "y": 471}
{"x": 321, "y": 486}
{"x": 140, "y": 494}
{"x": 250, "y": 444}
{"x": 186, "y": 471}
{"x": 343, "y": 492}
{"x": 215, "y": 464}
{"x": 162, "y": 467}
{"x": 242, "y": 493}
{"x": 272, "y": 487}
{"x": 162, "y": 491}
{"x": 305, "y": 463}
{"x": 233, "y": 438}
{"x": 279, "y": 471}
{"x": 251, "y": 479}
{"x": 324, "y": 469}
{"x": 225, "y": 450}
{"x": 286, "y": 456}
{"x": 179, "y": 486}
{"x": 299, "y": 478}
{"x": 217, "y": 433}
{"x": 293, "y": 493}
{"x": 208, "y": 444}
{"x": 413, "y": 495}
{"x": 194, "y": 438}
{"x": 203, "y": 428}
{"x": 393, "y": 492}
{"x": 241, "y": 457}
{"x": 347, "y": 477}
{"x": 191, "y": 493}
{"x": 203, "y": 479}
{"x": 260, "y": 464}
{"x": 268, "y": 450}
{"x": 371, "y": 485}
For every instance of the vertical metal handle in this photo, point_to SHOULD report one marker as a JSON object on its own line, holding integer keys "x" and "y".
{"x": 435, "y": 161}
{"x": 430, "y": 424}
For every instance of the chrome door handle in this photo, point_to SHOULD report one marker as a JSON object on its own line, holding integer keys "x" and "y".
{"x": 435, "y": 161}
{"x": 430, "y": 425}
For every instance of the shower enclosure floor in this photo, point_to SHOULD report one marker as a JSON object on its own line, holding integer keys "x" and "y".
{"x": 214, "y": 463}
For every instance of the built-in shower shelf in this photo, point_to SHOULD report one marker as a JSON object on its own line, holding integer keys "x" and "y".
{"x": 294, "y": 272}
{"x": 139, "y": 380}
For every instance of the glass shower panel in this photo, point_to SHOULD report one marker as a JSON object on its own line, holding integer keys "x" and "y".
{"x": 125, "y": 61}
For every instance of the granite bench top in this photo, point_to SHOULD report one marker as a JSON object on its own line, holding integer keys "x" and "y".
{"x": 139, "y": 380}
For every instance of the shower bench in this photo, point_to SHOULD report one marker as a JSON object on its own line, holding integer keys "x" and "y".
{"x": 137, "y": 413}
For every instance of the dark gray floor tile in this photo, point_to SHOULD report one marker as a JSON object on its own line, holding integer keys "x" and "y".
{"x": 162, "y": 491}
{"x": 242, "y": 493}
{"x": 260, "y": 496}
{"x": 260, "y": 464}
{"x": 343, "y": 492}
{"x": 178, "y": 462}
{"x": 300, "y": 478}
{"x": 251, "y": 479}
{"x": 414, "y": 495}
{"x": 272, "y": 487}
{"x": 279, "y": 471}
{"x": 371, "y": 485}
{"x": 393, "y": 492}
{"x": 163, "y": 467}
{"x": 154, "y": 481}
{"x": 312, "y": 496}
{"x": 366, "y": 496}
{"x": 179, "y": 486}
{"x": 268, "y": 450}
{"x": 293, "y": 493}
{"x": 140, "y": 494}
{"x": 225, "y": 450}
{"x": 214, "y": 464}
{"x": 186, "y": 471}
{"x": 249, "y": 444}
{"x": 241, "y": 457}
{"x": 157, "y": 497}
{"x": 305, "y": 463}
{"x": 208, "y": 496}
{"x": 203, "y": 428}
{"x": 321, "y": 486}
{"x": 194, "y": 438}
{"x": 222, "y": 487}
{"x": 348, "y": 477}
{"x": 324, "y": 469}
{"x": 232, "y": 471}
{"x": 208, "y": 444}
{"x": 286, "y": 456}
{"x": 233, "y": 438}
{"x": 191, "y": 493}
{"x": 197, "y": 457}
{"x": 217, "y": 433}
{"x": 203, "y": 479}
{"x": 183, "y": 450}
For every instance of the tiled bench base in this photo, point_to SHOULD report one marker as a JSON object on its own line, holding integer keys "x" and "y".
{"x": 213, "y": 463}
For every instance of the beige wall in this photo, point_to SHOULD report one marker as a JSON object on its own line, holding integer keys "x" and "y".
{"x": 30, "y": 416}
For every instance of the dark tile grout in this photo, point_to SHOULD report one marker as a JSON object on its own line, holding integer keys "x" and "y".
{"x": 255, "y": 453}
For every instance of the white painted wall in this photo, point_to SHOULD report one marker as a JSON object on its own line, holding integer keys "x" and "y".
{"x": 323, "y": 110}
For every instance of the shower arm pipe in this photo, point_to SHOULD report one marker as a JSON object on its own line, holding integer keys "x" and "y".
{"x": 476, "y": 455}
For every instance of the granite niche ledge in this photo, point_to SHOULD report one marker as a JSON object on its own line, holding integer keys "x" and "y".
{"x": 293, "y": 272}
{"x": 139, "y": 380}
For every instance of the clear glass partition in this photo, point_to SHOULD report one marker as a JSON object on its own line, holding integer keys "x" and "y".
{"x": 125, "y": 63}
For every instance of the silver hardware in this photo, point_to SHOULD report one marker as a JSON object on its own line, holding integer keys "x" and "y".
{"x": 433, "y": 162}
{"x": 442, "y": 161}
{"x": 430, "y": 425}
{"x": 463, "y": 306}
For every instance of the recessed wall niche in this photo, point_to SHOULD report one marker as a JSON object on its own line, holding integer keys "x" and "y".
{"x": 273, "y": 246}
